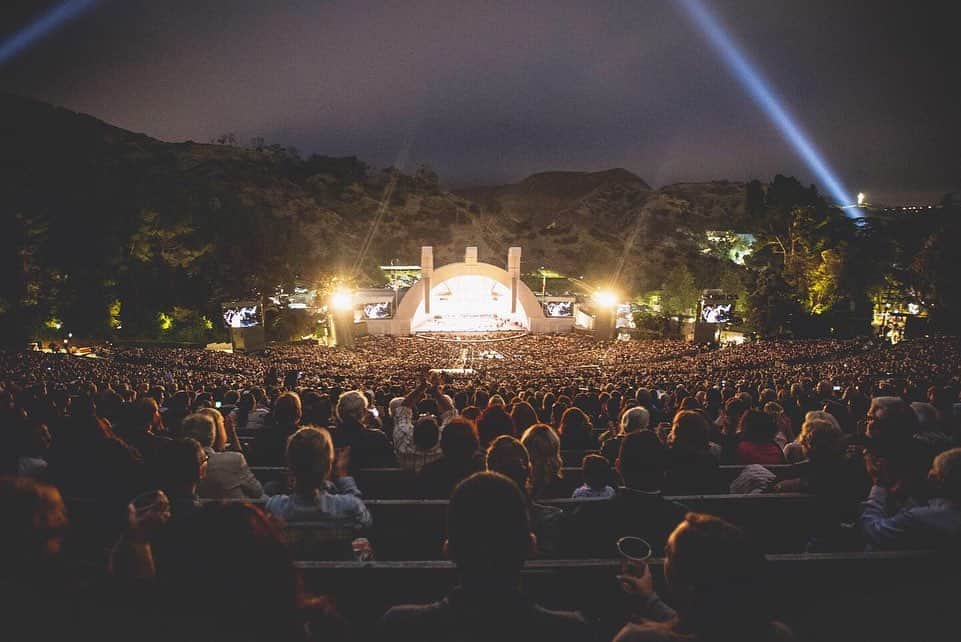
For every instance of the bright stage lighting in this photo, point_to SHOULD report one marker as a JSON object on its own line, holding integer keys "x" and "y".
{"x": 606, "y": 298}
{"x": 342, "y": 300}
{"x": 762, "y": 94}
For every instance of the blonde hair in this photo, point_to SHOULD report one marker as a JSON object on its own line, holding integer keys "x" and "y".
{"x": 220, "y": 433}
{"x": 544, "y": 447}
{"x": 819, "y": 437}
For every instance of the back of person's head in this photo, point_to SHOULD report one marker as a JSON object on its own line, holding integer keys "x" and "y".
{"x": 34, "y": 524}
{"x": 596, "y": 470}
{"x": 634, "y": 419}
{"x": 488, "y": 529}
{"x": 820, "y": 439}
{"x": 927, "y": 415}
{"x": 310, "y": 454}
{"x": 689, "y": 432}
{"x": 523, "y": 416}
{"x": 182, "y": 465}
{"x": 885, "y": 405}
{"x": 481, "y": 397}
{"x": 220, "y": 439}
{"x": 508, "y": 456}
{"x": 690, "y": 403}
{"x": 642, "y": 461}
{"x": 757, "y": 426}
{"x": 351, "y": 406}
{"x": 715, "y": 574}
{"x": 493, "y": 423}
{"x": 200, "y": 427}
{"x": 201, "y": 579}
{"x": 259, "y": 395}
{"x": 287, "y": 409}
{"x": 544, "y": 447}
{"x": 471, "y": 413}
{"x": 458, "y": 441}
{"x": 946, "y": 474}
{"x": 574, "y": 421}
{"x": 143, "y": 413}
{"x": 426, "y": 433}
{"x": 734, "y": 409}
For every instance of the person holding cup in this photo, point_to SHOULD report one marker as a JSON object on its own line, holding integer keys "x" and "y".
{"x": 714, "y": 575}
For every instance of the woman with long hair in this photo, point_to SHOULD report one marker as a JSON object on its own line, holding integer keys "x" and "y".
{"x": 576, "y": 431}
{"x": 544, "y": 447}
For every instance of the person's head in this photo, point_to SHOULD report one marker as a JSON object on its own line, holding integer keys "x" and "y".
{"x": 574, "y": 422}
{"x": 496, "y": 400}
{"x": 715, "y": 574}
{"x": 471, "y": 413}
{"x": 689, "y": 432}
{"x": 636, "y": 418}
{"x": 310, "y": 455}
{"x": 945, "y": 474}
{"x": 458, "y": 440}
{"x": 494, "y": 422}
{"x": 201, "y": 428}
{"x": 756, "y": 426}
{"x": 34, "y": 524}
{"x": 426, "y": 433}
{"x": 183, "y": 463}
{"x": 488, "y": 530}
{"x": 287, "y": 409}
{"x": 508, "y": 456}
{"x": 144, "y": 414}
{"x": 927, "y": 415}
{"x": 734, "y": 409}
{"x": 351, "y": 407}
{"x": 201, "y": 580}
{"x": 220, "y": 434}
{"x": 820, "y": 439}
{"x": 544, "y": 447}
{"x": 641, "y": 461}
{"x": 596, "y": 470}
{"x": 523, "y": 415}
{"x": 259, "y": 395}
{"x": 884, "y": 406}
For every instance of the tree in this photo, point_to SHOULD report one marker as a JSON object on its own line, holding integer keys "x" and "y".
{"x": 680, "y": 291}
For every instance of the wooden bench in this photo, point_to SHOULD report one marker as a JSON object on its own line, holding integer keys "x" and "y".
{"x": 397, "y": 483}
{"x": 824, "y": 597}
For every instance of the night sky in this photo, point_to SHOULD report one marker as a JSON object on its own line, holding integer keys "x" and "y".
{"x": 493, "y": 91}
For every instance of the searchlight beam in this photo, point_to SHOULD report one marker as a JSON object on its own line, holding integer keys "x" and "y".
{"x": 764, "y": 96}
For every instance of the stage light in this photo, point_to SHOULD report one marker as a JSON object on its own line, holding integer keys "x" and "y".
{"x": 762, "y": 94}
{"x": 606, "y": 298}
{"x": 861, "y": 197}
{"x": 342, "y": 300}
{"x": 44, "y": 25}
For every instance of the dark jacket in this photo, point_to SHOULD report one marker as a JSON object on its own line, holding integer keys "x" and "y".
{"x": 506, "y": 616}
{"x": 593, "y": 527}
{"x": 369, "y": 447}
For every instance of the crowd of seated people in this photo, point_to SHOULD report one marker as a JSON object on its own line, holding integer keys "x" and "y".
{"x": 169, "y": 450}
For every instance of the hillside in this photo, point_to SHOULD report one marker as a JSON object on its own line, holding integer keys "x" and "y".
{"x": 106, "y": 213}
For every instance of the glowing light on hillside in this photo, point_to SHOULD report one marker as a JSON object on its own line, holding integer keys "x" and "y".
{"x": 764, "y": 96}
{"x": 606, "y": 298}
{"x": 342, "y": 300}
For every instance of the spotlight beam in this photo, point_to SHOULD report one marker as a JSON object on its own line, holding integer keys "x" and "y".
{"x": 44, "y": 25}
{"x": 764, "y": 96}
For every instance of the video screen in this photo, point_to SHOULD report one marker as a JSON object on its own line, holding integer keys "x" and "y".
{"x": 380, "y": 310}
{"x": 716, "y": 312}
{"x": 242, "y": 316}
{"x": 559, "y": 308}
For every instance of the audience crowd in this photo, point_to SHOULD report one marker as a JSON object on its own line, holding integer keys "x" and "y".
{"x": 156, "y": 451}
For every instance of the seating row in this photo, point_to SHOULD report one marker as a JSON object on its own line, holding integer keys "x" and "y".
{"x": 827, "y": 597}
{"x": 397, "y": 483}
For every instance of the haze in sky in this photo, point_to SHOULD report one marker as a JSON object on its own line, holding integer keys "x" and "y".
{"x": 492, "y": 91}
